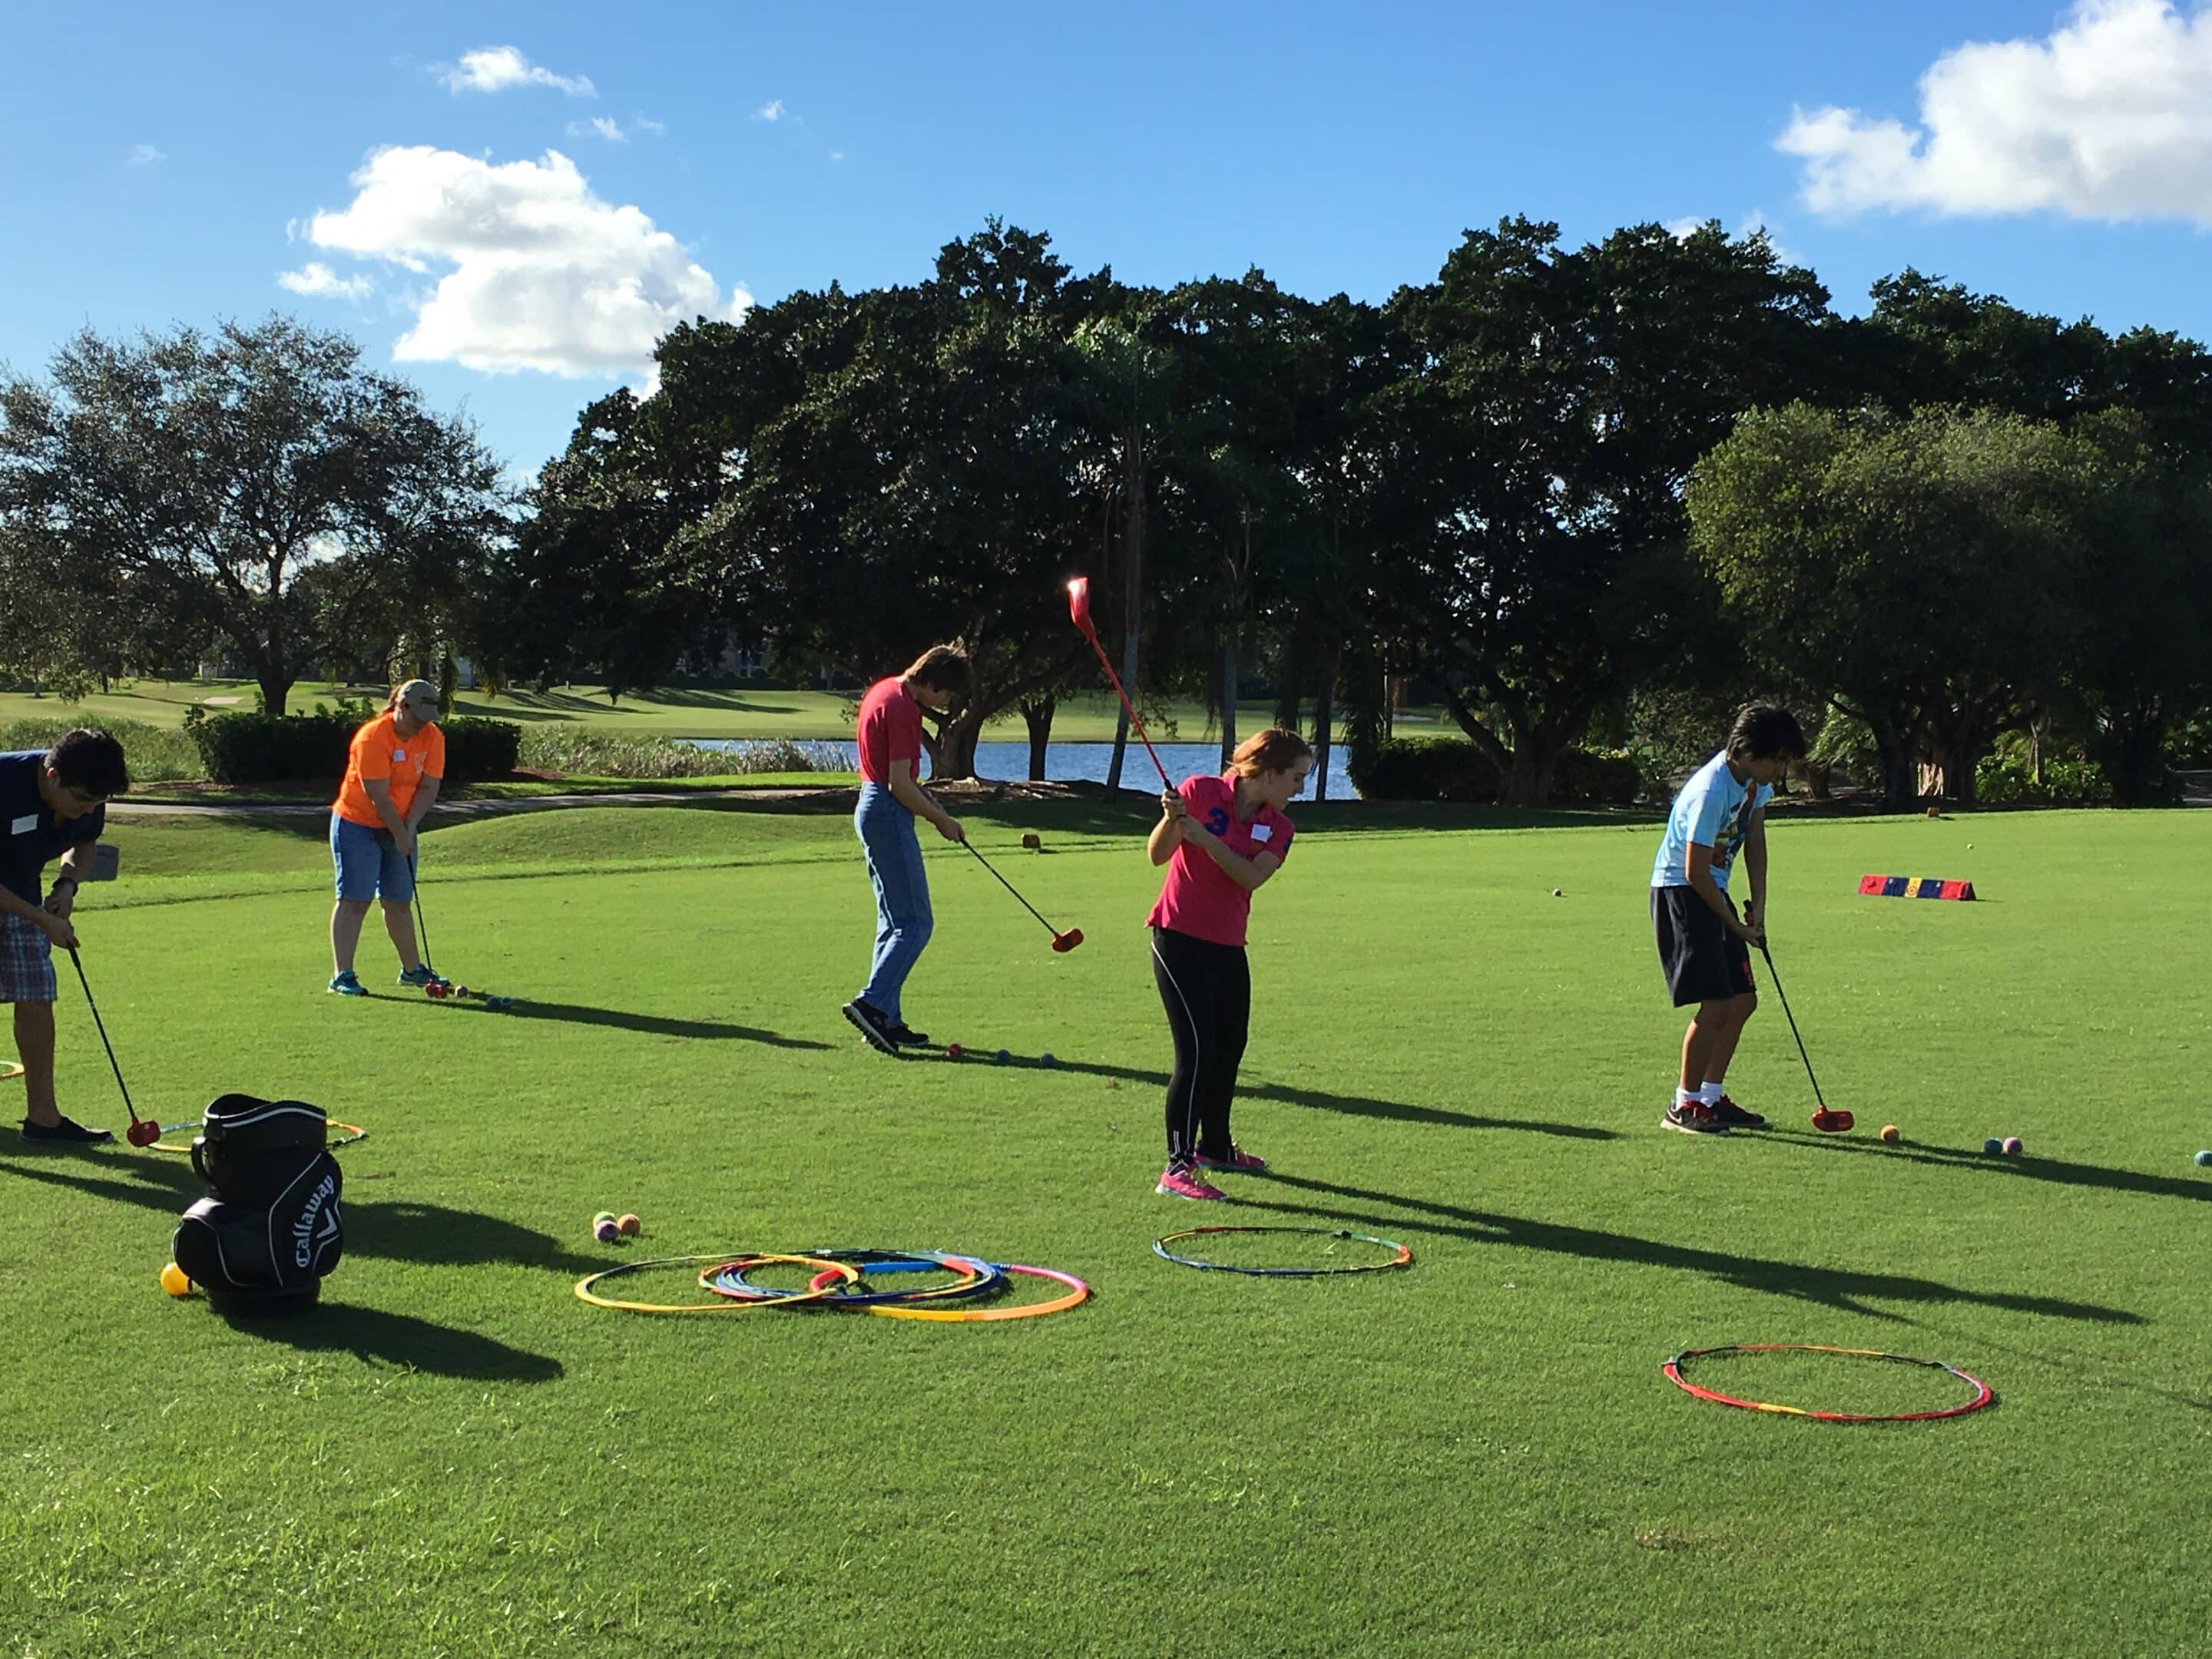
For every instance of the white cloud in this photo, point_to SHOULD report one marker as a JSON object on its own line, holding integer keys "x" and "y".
{"x": 495, "y": 69}
{"x": 609, "y": 130}
{"x": 144, "y": 155}
{"x": 2110, "y": 117}
{"x": 542, "y": 273}
{"x": 836, "y": 155}
{"x": 318, "y": 280}
{"x": 648, "y": 126}
{"x": 771, "y": 110}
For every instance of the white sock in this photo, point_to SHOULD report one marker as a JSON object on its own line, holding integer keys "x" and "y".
{"x": 1684, "y": 1096}
{"x": 1710, "y": 1093}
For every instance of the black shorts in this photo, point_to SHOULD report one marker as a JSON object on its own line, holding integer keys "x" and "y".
{"x": 1702, "y": 961}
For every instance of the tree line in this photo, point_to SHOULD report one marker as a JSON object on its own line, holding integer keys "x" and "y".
{"x": 1581, "y": 495}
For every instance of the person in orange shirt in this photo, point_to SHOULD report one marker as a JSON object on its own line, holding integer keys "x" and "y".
{"x": 392, "y": 773}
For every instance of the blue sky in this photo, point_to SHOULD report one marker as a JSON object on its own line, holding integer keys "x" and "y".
{"x": 165, "y": 164}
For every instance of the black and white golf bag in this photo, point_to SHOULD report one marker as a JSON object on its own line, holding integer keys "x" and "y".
{"x": 270, "y": 1228}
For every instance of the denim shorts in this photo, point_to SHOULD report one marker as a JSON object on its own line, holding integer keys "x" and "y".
{"x": 368, "y": 864}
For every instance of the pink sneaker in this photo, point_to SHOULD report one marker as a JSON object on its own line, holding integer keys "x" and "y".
{"x": 1183, "y": 1182}
{"x": 1238, "y": 1158}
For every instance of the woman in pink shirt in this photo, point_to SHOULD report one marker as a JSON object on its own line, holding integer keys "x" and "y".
{"x": 1221, "y": 839}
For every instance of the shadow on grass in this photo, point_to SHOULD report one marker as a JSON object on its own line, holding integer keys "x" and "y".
{"x": 428, "y": 1235}
{"x": 400, "y": 1340}
{"x": 1398, "y": 1111}
{"x": 575, "y": 1013}
{"x": 2029, "y": 1168}
{"x": 1831, "y": 1287}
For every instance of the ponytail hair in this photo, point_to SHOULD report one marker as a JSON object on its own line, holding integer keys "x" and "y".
{"x": 1271, "y": 750}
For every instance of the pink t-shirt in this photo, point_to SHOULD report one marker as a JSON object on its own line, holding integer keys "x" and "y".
{"x": 890, "y": 730}
{"x": 1198, "y": 897}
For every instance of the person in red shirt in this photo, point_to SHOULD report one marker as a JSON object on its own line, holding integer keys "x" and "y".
{"x": 1221, "y": 838}
{"x": 891, "y": 798}
{"x": 393, "y": 769}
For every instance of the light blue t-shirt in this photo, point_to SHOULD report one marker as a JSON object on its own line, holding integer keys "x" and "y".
{"x": 1712, "y": 811}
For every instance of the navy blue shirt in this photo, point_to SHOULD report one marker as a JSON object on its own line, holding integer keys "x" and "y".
{"x": 33, "y": 835}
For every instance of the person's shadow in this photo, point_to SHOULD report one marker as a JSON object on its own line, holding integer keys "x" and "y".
{"x": 575, "y": 1013}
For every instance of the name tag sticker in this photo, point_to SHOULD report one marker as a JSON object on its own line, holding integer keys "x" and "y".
{"x": 24, "y": 826}
{"x": 1263, "y": 832}
{"x": 398, "y": 755}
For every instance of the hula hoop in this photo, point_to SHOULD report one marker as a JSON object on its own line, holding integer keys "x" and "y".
{"x": 13, "y": 1071}
{"x": 1983, "y": 1394}
{"x": 978, "y": 1277}
{"x": 353, "y": 1132}
{"x": 721, "y": 1305}
{"x": 1078, "y": 1291}
{"x": 1403, "y": 1258}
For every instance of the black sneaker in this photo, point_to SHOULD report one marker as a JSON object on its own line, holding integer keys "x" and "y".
{"x": 67, "y": 1133}
{"x": 906, "y": 1037}
{"x": 871, "y": 1025}
{"x": 1734, "y": 1117}
{"x": 1694, "y": 1117}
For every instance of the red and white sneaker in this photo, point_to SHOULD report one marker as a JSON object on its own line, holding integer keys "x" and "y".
{"x": 1735, "y": 1116}
{"x": 1182, "y": 1180}
{"x": 1238, "y": 1159}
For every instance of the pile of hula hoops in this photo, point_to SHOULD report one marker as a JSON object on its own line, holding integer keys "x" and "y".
{"x": 850, "y": 1281}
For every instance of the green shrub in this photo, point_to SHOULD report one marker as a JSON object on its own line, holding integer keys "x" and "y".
{"x": 1423, "y": 768}
{"x": 155, "y": 754}
{"x": 575, "y": 750}
{"x": 243, "y": 748}
{"x": 1611, "y": 777}
{"x": 2001, "y": 781}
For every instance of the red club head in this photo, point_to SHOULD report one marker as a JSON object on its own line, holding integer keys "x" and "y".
{"x": 143, "y": 1134}
{"x": 1078, "y": 604}
{"x": 1067, "y": 941}
{"x": 1832, "y": 1122}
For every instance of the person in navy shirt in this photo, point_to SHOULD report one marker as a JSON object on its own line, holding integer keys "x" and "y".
{"x": 1704, "y": 944}
{"x": 51, "y": 804}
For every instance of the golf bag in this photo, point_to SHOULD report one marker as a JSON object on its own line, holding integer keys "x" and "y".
{"x": 270, "y": 1228}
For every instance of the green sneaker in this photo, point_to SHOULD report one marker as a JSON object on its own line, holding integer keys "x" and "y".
{"x": 345, "y": 985}
{"x": 415, "y": 978}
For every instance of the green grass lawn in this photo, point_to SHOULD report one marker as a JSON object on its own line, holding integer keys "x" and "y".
{"x": 802, "y": 716}
{"x": 453, "y": 1456}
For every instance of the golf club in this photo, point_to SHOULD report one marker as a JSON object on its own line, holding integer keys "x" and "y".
{"x": 1078, "y": 607}
{"x": 142, "y": 1131}
{"x": 1061, "y": 942}
{"x": 1826, "y": 1122}
{"x": 437, "y": 989}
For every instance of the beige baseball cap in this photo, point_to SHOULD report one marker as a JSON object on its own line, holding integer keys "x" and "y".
{"x": 422, "y": 696}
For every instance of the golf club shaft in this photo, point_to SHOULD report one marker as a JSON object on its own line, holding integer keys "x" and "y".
{"x": 1009, "y": 886}
{"x": 423, "y": 927}
{"x": 101, "y": 1026}
{"x": 1115, "y": 680}
{"x": 1794, "y": 1031}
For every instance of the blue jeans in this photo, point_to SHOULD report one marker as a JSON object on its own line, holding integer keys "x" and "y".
{"x": 903, "y": 921}
{"x": 368, "y": 864}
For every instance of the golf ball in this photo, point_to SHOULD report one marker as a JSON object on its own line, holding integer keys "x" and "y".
{"x": 607, "y": 1231}
{"x": 1889, "y": 1134}
{"x": 174, "y": 1282}
{"x": 1556, "y": 893}
{"x": 603, "y": 1215}
{"x": 953, "y": 1051}
{"x": 1993, "y": 1147}
{"x": 1003, "y": 1057}
{"x": 1047, "y": 1060}
{"x": 2205, "y": 1158}
{"x": 629, "y": 1225}
{"x": 2012, "y": 1146}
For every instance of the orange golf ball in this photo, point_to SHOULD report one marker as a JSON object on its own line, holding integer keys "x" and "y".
{"x": 1889, "y": 1132}
{"x": 174, "y": 1282}
{"x": 629, "y": 1226}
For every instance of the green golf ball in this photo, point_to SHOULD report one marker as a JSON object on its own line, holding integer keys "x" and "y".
{"x": 1003, "y": 1057}
{"x": 1047, "y": 1060}
{"x": 1993, "y": 1147}
{"x": 2205, "y": 1158}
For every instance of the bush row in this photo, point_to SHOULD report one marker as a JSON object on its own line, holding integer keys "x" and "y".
{"x": 155, "y": 754}
{"x": 245, "y": 748}
{"x": 1430, "y": 768}
{"x": 586, "y": 751}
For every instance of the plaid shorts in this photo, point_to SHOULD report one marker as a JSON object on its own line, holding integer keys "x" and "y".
{"x": 26, "y": 962}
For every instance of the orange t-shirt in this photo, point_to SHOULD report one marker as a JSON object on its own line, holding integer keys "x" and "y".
{"x": 377, "y": 752}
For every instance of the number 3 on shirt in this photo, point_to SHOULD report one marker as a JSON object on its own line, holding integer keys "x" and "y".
{"x": 1216, "y": 820}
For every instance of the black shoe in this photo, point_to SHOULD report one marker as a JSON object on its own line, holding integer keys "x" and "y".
{"x": 1694, "y": 1117}
{"x": 871, "y": 1025}
{"x": 67, "y": 1133}
{"x": 906, "y": 1037}
{"x": 1735, "y": 1116}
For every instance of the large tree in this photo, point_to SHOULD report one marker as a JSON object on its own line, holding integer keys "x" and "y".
{"x": 258, "y": 485}
{"x": 1563, "y": 397}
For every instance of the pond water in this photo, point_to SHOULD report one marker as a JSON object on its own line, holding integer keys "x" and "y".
{"x": 1087, "y": 762}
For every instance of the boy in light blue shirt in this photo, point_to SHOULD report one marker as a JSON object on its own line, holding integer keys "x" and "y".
{"x": 1705, "y": 944}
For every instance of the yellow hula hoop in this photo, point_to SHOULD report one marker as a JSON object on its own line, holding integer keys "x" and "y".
{"x": 353, "y": 1132}
{"x": 1077, "y": 1293}
{"x": 831, "y": 1277}
{"x": 16, "y": 1070}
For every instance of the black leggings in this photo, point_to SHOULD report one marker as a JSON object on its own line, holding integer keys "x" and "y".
{"x": 1206, "y": 989}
